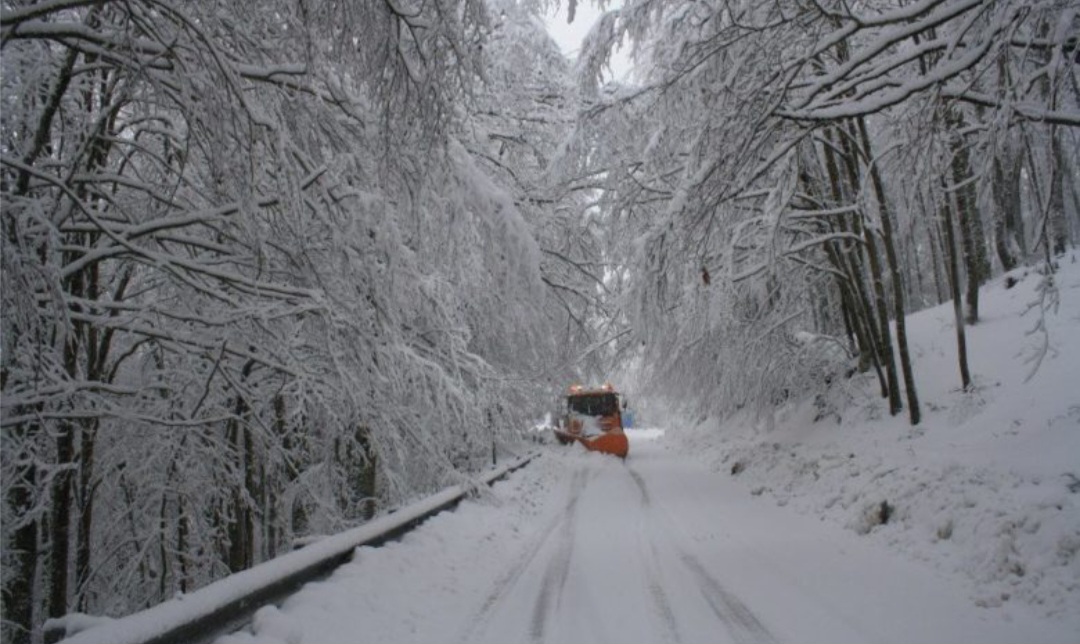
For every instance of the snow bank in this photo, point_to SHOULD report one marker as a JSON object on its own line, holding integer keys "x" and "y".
{"x": 986, "y": 487}
{"x": 581, "y": 547}
{"x": 424, "y": 586}
{"x": 202, "y": 611}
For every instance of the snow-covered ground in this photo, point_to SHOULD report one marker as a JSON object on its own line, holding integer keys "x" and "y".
{"x": 583, "y": 547}
{"x": 984, "y": 489}
{"x": 768, "y": 531}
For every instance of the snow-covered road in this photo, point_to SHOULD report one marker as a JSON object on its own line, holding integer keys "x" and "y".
{"x": 582, "y": 547}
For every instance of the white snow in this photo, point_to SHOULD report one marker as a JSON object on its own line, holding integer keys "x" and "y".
{"x": 669, "y": 546}
{"x": 154, "y": 622}
{"x": 590, "y": 425}
{"x": 583, "y": 547}
{"x": 981, "y": 544}
{"x": 984, "y": 489}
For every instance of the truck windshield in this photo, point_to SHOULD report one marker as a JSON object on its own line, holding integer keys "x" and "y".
{"x": 604, "y": 404}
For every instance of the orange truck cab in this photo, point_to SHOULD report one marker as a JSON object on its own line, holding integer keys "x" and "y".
{"x": 594, "y": 419}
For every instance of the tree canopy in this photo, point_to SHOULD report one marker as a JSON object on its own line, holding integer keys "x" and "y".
{"x": 270, "y": 268}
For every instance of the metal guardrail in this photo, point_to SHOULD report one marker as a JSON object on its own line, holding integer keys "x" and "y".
{"x": 228, "y": 604}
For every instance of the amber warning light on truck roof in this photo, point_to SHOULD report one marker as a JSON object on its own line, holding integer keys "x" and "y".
{"x": 577, "y": 389}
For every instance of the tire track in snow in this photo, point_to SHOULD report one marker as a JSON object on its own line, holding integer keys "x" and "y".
{"x": 554, "y": 577}
{"x": 512, "y": 576}
{"x": 740, "y": 621}
{"x": 659, "y": 596}
{"x": 652, "y": 567}
{"x": 554, "y": 580}
{"x": 646, "y": 499}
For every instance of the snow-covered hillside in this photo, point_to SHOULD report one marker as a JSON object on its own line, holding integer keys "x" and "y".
{"x": 986, "y": 486}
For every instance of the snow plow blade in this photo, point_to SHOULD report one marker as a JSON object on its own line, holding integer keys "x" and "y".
{"x": 610, "y": 443}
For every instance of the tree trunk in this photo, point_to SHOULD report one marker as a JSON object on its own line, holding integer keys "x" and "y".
{"x": 275, "y": 479}
{"x": 60, "y": 501}
{"x": 848, "y": 256}
{"x": 897, "y": 281}
{"x": 22, "y": 558}
{"x": 163, "y": 539}
{"x": 86, "y": 516}
{"x": 368, "y": 472}
{"x": 845, "y": 309}
{"x": 1008, "y": 225}
{"x": 912, "y": 263}
{"x": 933, "y": 239}
{"x": 241, "y": 525}
{"x": 253, "y": 494}
{"x": 1058, "y": 226}
{"x": 60, "y": 523}
{"x": 954, "y": 286}
{"x": 970, "y": 222}
{"x": 183, "y": 575}
{"x": 888, "y": 358}
{"x": 1074, "y": 193}
{"x": 236, "y": 529}
{"x": 1009, "y": 239}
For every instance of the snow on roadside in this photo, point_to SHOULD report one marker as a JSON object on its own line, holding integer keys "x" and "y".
{"x": 161, "y": 620}
{"x": 423, "y": 587}
{"x": 986, "y": 486}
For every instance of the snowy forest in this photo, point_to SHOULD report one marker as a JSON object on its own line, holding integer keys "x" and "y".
{"x": 271, "y": 268}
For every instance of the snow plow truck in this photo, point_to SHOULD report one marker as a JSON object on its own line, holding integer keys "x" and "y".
{"x": 594, "y": 419}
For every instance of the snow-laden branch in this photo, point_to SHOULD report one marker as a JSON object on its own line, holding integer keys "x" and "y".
{"x": 9, "y": 16}
{"x": 789, "y": 250}
{"x": 1029, "y": 110}
{"x": 910, "y": 24}
{"x": 74, "y": 31}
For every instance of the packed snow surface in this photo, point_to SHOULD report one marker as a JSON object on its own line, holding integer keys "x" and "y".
{"x": 584, "y": 547}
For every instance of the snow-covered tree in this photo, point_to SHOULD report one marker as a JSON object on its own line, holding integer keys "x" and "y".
{"x": 254, "y": 285}
{"x": 761, "y": 175}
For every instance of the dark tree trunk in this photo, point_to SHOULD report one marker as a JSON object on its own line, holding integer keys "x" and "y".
{"x": 60, "y": 501}
{"x": 241, "y": 525}
{"x": 954, "y": 286}
{"x": 1074, "y": 194}
{"x": 912, "y": 264}
{"x": 897, "y": 281}
{"x": 163, "y": 541}
{"x": 253, "y": 496}
{"x": 368, "y": 472}
{"x": 183, "y": 576}
{"x": 236, "y": 528}
{"x": 888, "y": 358}
{"x": 970, "y": 222}
{"x": 22, "y": 558}
{"x": 1059, "y": 228}
{"x": 1009, "y": 239}
{"x": 1008, "y": 226}
{"x": 933, "y": 238}
{"x": 848, "y": 256}
{"x": 273, "y": 479}
{"x": 86, "y": 515}
{"x": 60, "y": 523}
